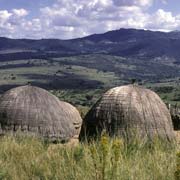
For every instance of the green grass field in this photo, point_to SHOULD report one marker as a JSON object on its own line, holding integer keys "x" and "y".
{"x": 81, "y": 80}
{"x": 24, "y": 158}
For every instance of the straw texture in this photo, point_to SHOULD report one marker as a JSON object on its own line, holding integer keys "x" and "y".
{"x": 34, "y": 110}
{"x": 122, "y": 109}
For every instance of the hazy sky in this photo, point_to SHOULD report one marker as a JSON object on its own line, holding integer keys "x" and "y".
{"x": 66, "y": 19}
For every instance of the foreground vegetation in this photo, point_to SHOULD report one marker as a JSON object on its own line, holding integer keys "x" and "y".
{"x": 31, "y": 158}
{"x": 81, "y": 81}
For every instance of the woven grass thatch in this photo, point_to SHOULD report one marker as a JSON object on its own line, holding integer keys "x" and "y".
{"x": 34, "y": 110}
{"x": 129, "y": 108}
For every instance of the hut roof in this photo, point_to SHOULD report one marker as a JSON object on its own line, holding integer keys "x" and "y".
{"x": 129, "y": 107}
{"x": 35, "y": 110}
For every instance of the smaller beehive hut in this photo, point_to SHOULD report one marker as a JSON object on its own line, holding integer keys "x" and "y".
{"x": 35, "y": 111}
{"x": 124, "y": 109}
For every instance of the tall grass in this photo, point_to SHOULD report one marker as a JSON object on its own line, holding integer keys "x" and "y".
{"x": 31, "y": 158}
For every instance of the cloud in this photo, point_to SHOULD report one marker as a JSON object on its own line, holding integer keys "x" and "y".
{"x": 133, "y": 2}
{"x": 11, "y": 22}
{"x": 162, "y": 20}
{"x": 77, "y": 18}
{"x": 4, "y": 16}
{"x": 80, "y": 17}
{"x": 20, "y": 12}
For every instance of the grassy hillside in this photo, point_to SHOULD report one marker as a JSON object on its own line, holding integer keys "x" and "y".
{"x": 82, "y": 79}
{"x": 30, "y": 158}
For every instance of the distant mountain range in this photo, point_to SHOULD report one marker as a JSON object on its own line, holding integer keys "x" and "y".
{"x": 96, "y": 61}
{"x": 122, "y": 42}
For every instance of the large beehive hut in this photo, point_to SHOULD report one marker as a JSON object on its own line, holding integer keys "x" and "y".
{"x": 36, "y": 111}
{"x": 124, "y": 109}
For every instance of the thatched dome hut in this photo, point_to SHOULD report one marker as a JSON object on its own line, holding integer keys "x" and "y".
{"x": 124, "y": 109}
{"x": 34, "y": 110}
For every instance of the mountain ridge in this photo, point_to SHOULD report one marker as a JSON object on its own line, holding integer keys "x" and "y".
{"x": 123, "y": 42}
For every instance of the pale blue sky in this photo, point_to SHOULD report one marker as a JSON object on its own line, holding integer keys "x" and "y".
{"x": 170, "y": 5}
{"x": 35, "y": 5}
{"x": 32, "y": 5}
{"x": 76, "y": 18}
